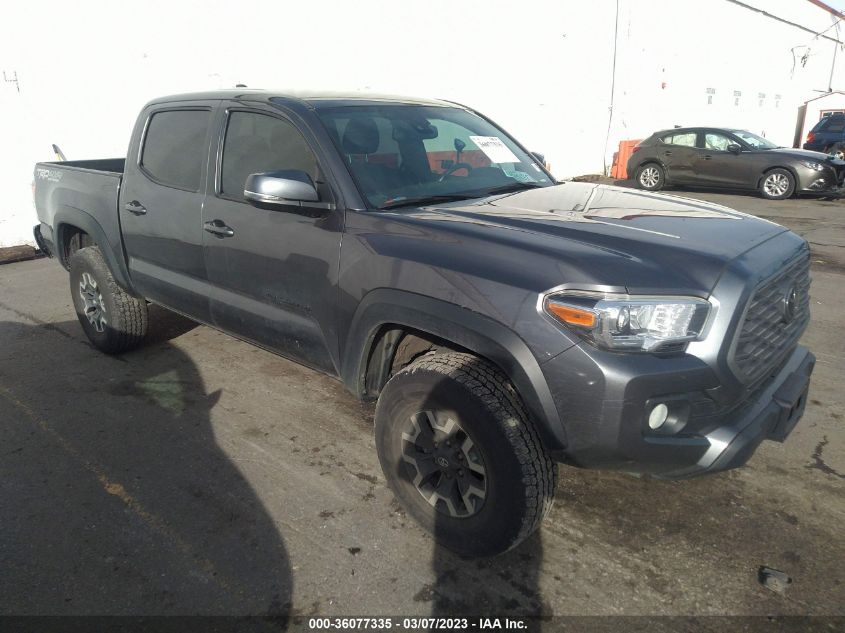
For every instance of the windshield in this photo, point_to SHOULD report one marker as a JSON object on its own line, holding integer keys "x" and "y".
{"x": 757, "y": 142}
{"x": 400, "y": 153}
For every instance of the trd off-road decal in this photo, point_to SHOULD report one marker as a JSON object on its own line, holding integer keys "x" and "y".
{"x": 52, "y": 175}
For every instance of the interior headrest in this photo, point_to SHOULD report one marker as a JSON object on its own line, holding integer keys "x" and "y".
{"x": 361, "y": 136}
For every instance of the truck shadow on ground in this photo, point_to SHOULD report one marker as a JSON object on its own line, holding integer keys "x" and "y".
{"x": 124, "y": 503}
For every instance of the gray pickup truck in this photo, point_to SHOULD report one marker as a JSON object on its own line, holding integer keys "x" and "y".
{"x": 416, "y": 251}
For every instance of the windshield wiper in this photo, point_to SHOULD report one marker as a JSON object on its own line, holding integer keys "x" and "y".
{"x": 452, "y": 197}
{"x": 422, "y": 200}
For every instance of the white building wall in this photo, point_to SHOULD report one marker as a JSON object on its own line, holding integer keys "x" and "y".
{"x": 668, "y": 65}
{"x": 543, "y": 70}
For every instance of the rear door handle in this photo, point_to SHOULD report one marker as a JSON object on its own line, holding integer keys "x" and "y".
{"x": 218, "y": 228}
{"x": 707, "y": 157}
{"x": 136, "y": 208}
{"x": 667, "y": 153}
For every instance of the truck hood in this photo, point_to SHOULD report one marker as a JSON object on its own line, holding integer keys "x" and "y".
{"x": 607, "y": 235}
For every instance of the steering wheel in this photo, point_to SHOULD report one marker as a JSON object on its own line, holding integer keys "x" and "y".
{"x": 455, "y": 168}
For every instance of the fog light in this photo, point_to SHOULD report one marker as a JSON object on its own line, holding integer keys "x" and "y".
{"x": 658, "y": 416}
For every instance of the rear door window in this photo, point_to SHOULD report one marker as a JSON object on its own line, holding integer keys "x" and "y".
{"x": 175, "y": 146}
{"x": 686, "y": 139}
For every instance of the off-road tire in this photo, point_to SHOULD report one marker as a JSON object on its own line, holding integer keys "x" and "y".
{"x": 650, "y": 177}
{"x": 781, "y": 191}
{"x": 125, "y": 316}
{"x": 520, "y": 475}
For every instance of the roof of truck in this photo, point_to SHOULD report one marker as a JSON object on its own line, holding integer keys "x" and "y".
{"x": 316, "y": 99}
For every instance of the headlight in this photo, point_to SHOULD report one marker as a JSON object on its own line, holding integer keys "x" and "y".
{"x": 812, "y": 165}
{"x": 630, "y": 323}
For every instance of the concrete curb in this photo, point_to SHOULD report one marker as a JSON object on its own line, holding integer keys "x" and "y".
{"x": 19, "y": 254}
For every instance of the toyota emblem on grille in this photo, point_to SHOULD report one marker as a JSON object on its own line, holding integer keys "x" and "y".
{"x": 790, "y": 304}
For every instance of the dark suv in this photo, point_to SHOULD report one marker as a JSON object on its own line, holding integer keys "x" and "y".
{"x": 828, "y": 136}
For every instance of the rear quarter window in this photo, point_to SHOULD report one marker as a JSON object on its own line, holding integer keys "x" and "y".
{"x": 175, "y": 147}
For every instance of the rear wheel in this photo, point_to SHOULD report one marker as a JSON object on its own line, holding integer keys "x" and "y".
{"x": 461, "y": 455}
{"x": 777, "y": 184}
{"x": 651, "y": 177}
{"x": 113, "y": 320}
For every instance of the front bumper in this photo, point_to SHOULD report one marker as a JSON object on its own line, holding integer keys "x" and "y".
{"x": 827, "y": 181}
{"x": 772, "y": 417}
{"x": 606, "y": 417}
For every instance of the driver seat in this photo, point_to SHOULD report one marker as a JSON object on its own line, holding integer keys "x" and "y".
{"x": 361, "y": 139}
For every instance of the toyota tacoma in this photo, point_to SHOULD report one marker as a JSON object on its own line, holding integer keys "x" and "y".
{"x": 503, "y": 321}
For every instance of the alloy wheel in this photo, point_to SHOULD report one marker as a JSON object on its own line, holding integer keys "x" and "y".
{"x": 92, "y": 298}
{"x": 649, "y": 177}
{"x": 776, "y": 184}
{"x": 447, "y": 468}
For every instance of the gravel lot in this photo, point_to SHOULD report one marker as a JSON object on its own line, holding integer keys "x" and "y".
{"x": 203, "y": 475}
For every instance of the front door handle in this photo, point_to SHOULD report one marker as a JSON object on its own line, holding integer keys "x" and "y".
{"x": 218, "y": 228}
{"x": 667, "y": 153}
{"x": 135, "y": 208}
{"x": 707, "y": 157}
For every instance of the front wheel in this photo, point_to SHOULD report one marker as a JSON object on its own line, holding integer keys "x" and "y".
{"x": 777, "y": 184}
{"x": 113, "y": 320}
{"x": 651, "y": 177}
{"x": 461, "y": 455}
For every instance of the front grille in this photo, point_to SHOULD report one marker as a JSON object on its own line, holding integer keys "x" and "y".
{"x": 767, "y": 334}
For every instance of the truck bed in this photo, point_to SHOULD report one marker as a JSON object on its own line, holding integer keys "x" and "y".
{"x": 83, "y": 193}
{"x": 108, "y": 165}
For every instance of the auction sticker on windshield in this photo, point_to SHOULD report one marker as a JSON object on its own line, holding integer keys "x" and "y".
{"x": 494, "y": 149}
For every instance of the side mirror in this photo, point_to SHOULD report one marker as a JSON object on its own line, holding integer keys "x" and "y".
{"x": 540, "y": 157}
{"x": 280, "y": 188}
{"x": 733, "y": 148}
